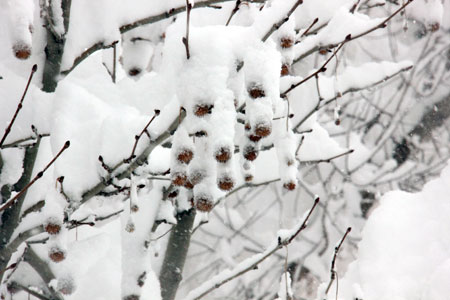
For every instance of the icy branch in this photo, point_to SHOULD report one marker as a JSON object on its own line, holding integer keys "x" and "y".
{"x": 250, "y": 263}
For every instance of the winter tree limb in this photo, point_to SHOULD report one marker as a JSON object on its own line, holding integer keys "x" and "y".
{"x": 250, "y": 263}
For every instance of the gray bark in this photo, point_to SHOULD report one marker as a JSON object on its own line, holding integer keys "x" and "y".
{"x": 176, "y": 252}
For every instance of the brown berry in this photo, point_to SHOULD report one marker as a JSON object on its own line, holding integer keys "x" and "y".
{"x": 57, "y": 254}
{"x": 134, "y": 71}
{"x": 263, "y": 129}
{"x": 286, "y": 42}
{"x": 185, "y": 156}
{"x": 53, "y": 228}
{"x": 250, "y": 153}
{"x": 66, "y": 286}
{"x": 435, "y": 27}
{"x": 179, "y": 178}
{"x": 290, "y": 185}
{"x": 225, "y": 183}
{"x": 256, "y": 92}
{"x": 248, "y": 178}
{"x": 323, "y": 51}
{"x": 284, "y": 70}
{"x": 134, "y": 208}
{"x": 173, "y": 193}
{"x": 223, "y": 154}
{"x": 337, "y": 122}
{"x": 290, "y": 162}
{"x": 196, "y": 176}
{"x": 247, "y": 127}
{"x": 188, "y": 185}
{"x": 204, "y": 203}
{"x": 201, "y": 110}
{"x": 22, "y": 51}
{"x": 254, "y": 138}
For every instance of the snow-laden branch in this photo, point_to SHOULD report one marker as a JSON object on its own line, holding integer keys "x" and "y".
{"x": 315, "y": 43}
{"x": 139, "y": 161}
{"x": 277, "y": 25}
{"x": 284, "y": 238}
{"x": 173, "y": 12}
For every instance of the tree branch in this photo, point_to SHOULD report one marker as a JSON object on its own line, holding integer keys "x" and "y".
{"x": 277, "y": 25}
{"x": 382, "y": 24}
{"x": 250, "y": 263}
{"x": 19, "y": 106}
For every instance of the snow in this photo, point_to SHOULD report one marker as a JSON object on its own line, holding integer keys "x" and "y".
{"x": 404, "y": 252}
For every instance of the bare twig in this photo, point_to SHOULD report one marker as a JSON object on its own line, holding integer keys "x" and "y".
{"x": 321, "y": 69}
{"x": 309, "y": 27}
{"x": 186, "y": 38}
{"x": 172, "y": 12}
{"x": 250, "y": 263}
{"x": 233, "y": 12}
{"x": 87, "y": 53}
{"x": 137, "y": 137}
{"x": 327, "y": 160}
{"x": 38, "y": 175}
{"x": 19, "y": 106}
{"x": 277, "y": 25}
{"x": 382, "y": 24}
{"x": 333, "y": 262}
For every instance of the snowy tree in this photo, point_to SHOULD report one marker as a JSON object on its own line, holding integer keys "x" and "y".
{"x": 138, "y": 127}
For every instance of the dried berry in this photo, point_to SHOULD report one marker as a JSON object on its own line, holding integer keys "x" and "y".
{"x": 22, "y": 51}
{"x": 188, "y": 185}
{"x": 263, "y": 129}
{"x": 196, "y": 176}
{"x": 52, "y": 227}
{"x": 256, "y": 92}
{"x": 250, "y": 153}
{"x": 290, "y": 185}
{"x": 248, "y": 178}
{"x": 435, "y": 27}
{"x": 134, "y": 71}
{"x": 223, "y": 154}
{"x": 286, "y": 42}
{"x": 284, "y": 70}
{"x": 247, "y": 127}
{"x": 204, "y": 203}
{"x": 66, "y": 286}
{"x": 323, "y": 51}
{"x": 56, "y": 254}
{"x": 225, "y": 183}
{"x": 185, "y": 156}
{"x": 201, "y": 110}
{"x": 179, "y": 178}
{"x": 134, "y": 208}
{"x": 173, "y": 193}
{"x": 254, "y": 138}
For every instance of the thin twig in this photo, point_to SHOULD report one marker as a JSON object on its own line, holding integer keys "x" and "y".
{"x": 186, "y": 38}
{"x": 327, "y": 160}
{"x": 251, "y": 263}
{"x": 38, "y": 175}
{"x": 309, "y": 28}
{"x": 233, "y": 12}
{"x": 321, "y": 69}
{"x": 380, "y": 25}
{"x": 277, "y": 25}
{"x": 19, "y": 106}
{"x": 137, "y": 137}
{"x": 87, "y": 53}
{"x": 333, "y": 262}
